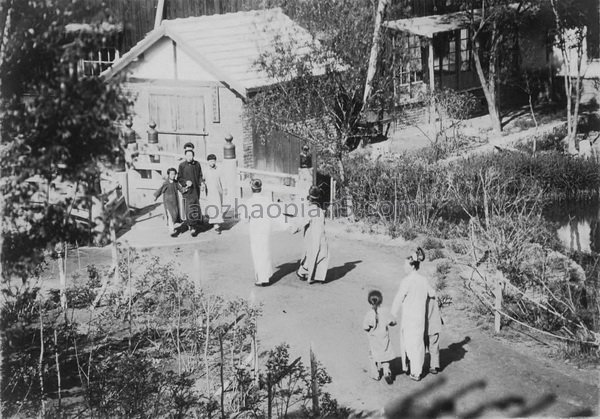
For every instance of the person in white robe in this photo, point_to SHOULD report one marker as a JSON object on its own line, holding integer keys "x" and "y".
{"x": 214, "y": 193}
{"x": 315, "y": 261}
{"x": 260, "y": 233}
{"x": 410, "y": 306}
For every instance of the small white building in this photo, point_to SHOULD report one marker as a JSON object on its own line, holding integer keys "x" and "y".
{"x": 191, "y": 76}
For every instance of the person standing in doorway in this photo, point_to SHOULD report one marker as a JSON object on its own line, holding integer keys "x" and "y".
{"x": 411, "y": 304}
{"x": 305, "y": 171}
{"x": 315, "y": 261}
{"x": 214, "y": 193}
{"x": 260, "y": 234}
{"x": 190, "y": 178}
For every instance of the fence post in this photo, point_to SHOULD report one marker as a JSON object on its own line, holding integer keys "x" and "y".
{"x": 497, "y": 305}
{"x": 331, "y": 199}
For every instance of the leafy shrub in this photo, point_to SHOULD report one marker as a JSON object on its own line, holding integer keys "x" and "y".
{"x": 78, "y": 296}
{"x": 441, "y": 283}
{"x": 443, "y": 268}
{"x": 20, "y": 306}
{"x": 432, "y": 243}
{"x": 129, "y": 385}
{"x": 407, "y": 232}
{"x": 459, "y": 247}
{"x": 436, "y": 254}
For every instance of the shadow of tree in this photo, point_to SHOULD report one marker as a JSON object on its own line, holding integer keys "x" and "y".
{"x": 415, "y": 405}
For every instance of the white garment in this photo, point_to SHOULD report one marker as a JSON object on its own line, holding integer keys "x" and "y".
{"x": 410, "y": 302}
{"x": 315, "y": 261}
{"x": 214, "y": 195}
{"x": 260, "y": 236}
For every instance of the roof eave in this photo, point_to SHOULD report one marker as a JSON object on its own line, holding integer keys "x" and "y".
{"x": 127, "y": 58}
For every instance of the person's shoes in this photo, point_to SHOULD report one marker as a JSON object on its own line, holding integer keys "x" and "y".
{"x": 301, "y": 277}
{"x": 174, "y": 233}
{"x": 261, "y": 284}
{"x": 389, "y": 379}
{"x": 195, "y": 232}
{"x": 415, "y": 377}
{"x": 434, "y": 370}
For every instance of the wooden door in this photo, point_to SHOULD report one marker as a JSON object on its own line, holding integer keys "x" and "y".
{"x": 180, "y": 118}
{"x": 277, "y": 152}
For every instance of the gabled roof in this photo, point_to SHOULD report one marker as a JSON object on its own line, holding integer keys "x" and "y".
{"x": 228, "y": 45}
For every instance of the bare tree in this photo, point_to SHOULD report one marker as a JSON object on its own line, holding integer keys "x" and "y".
{"x": 494, "y": 31}
{"x": 569, "y": 37}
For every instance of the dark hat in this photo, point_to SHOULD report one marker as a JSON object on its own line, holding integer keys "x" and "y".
{"x": 256, "y": 185}
{"x": 211, "y": 157}
{"x": 314, "y": 193}
{"x": 375, "y": 298}
{"x": 188, "y": 146}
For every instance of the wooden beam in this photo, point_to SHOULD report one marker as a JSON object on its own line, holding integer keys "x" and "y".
{"x": 218, "y": 73}
{"x": 430, "y": 65}
{"x": 160, "y": 7}
{"x": 175, "y": 75}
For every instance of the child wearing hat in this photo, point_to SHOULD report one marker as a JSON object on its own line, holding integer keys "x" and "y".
{"x": 376, "y": 324}
{"x": 170, "y": 199}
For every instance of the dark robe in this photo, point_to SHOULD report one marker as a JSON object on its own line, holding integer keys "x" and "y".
{"x": 169, "y": 192}
{"x": 191, "y": 196}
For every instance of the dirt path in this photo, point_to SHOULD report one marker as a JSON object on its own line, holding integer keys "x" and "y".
{"x": 485, "y": 375}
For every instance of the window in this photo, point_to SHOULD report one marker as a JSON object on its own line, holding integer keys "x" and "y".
{"x": 452, "y": 50}
{"x": 466, "y": 54}
{"x": 408, "y": 66}
{"x": 98, "y": 61}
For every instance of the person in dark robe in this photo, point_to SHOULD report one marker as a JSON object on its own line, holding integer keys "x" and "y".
{"x": 169, "y": 191}
{"x": 190, "y": 178}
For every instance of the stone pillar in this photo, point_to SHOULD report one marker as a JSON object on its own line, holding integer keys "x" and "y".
{"x": 153, "y": 143}
{"x": 229, "y": 173}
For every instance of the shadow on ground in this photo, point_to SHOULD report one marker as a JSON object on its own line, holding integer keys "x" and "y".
{"x": 333, "y": 274}
{"x": 415, "y": 405}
